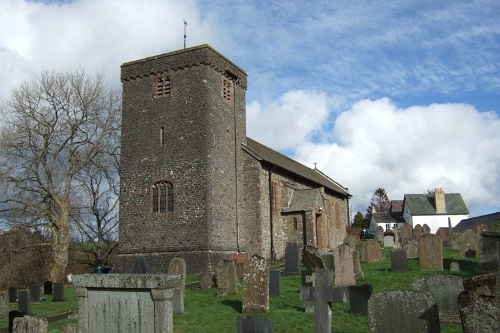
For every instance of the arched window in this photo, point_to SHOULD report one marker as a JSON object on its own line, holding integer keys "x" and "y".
{"x": 162, "y": 197}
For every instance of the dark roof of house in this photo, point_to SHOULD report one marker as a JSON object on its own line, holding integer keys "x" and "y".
{"x": 474, "y": 222}
{"x": 384, "y": 217}
{"x": 423, "y": 204}
{"x": 263, "y": 153}
{"x": 396, "y": 206}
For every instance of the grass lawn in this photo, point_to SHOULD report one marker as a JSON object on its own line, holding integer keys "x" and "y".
{"x": 207, "y": 312}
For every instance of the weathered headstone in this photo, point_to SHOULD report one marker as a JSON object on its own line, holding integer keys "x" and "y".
{"x": 255, "y": 296}
{"x": 443, "y": 233}
{"x": 12, "y": 315}
{"x": 344, "y": 266}
{"x": 478, "y": 305}
{"x": 249, "y": 324}
{"x": 239, "y": 259}
{"x": 468, "y": 244}
{"x": 408, "y": 311}
{"x": 12, "y": 295}
{"x": 207, "y": 280}
{"x": 388, "y": 241}
{"x": 371, "y": 251}
{"x": 418, "y": 231}
{"x": 35, "y": 292}
{"x": 454, "y": 267}
{"x": 69, "y": 328}
{"x": 328, "y": 260}
{"x": 399, "y": 262}
{"x": 359, "y": 296}
{"x": 311, "y": 258}
{"x": 178, "y": 301}
{"x": 47, "y": 288}
{"x": 350, "y": 240}
{"x": 358, "y": 271}
{"x": 430, "y": 252}
{"x": 411, "y": 248}
{"x": 445, "y": 290}
{"x": 24, "y": 302}
{"x": 140, "y": 265}
{"x": 292, "y": 258}
{"x": 321, "y": 296}
{"x": 177, "y": 266}
{"x": 58, "y": 289}
{"x": 275, "y": 283}
{"x": 490, "y": 252}
{"x": 379, "y": 234}
{"x": 454, "y": 239}
{"x": 227, "y": 277}
{"x": 406, "y": 233}
{"x": 30, "y": 325}
{"x": 426, "y": 230}
{"x": 4, "y": 304}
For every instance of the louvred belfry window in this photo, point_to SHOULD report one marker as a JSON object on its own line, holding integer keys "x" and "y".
{"x": 161, "y": 87}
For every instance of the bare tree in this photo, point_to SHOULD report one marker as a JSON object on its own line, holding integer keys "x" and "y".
{"x": 53, "y": 127}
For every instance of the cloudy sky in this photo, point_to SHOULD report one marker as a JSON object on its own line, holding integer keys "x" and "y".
{"x": 400, "y": 94}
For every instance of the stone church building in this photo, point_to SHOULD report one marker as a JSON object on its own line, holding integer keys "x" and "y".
{"x": 193, "y": 185}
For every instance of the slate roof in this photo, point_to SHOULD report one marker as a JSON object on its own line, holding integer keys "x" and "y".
{"x": 266, "y": 154}
{"x": 302, "y": 200}
{"x": 384, "y": 217}
{"x": 423, "y": 204}
{"x": 474, "y": 222}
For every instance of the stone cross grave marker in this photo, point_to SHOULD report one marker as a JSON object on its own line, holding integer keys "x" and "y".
{"x": 255, "y": 296}
{"x": 58, "y": 289}
{"x": 399, "y": 262}
{"x": 322, "y": 296}
{"x": 275, "y": 283}
{"x": 34, "y": 292}
{"x": 47, "y": 288}
{"x": 408, "y": 311}
{"x": 250, "y": 324}
{"x": 397, "y": 244}
{"x": 311, "y": 258}
{"x": 344, "y": 266}
{"x": 30, "y": 325}
{"x": 430, "y": 253}
{"x": 24, "y": 302}
{"x": 358, "y": 299}
{"x": 292, "y": 258}
{"x": 177, "y": 266}
{"x": 227, "y": 278}
{"x": 4, "y": 304}
{"x": 140, "y": 265}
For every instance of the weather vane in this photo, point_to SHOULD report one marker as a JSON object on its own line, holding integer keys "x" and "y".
{"x": 185, "y": 25}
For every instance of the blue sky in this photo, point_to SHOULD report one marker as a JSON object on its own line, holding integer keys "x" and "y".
{"x": 403, "y": 95}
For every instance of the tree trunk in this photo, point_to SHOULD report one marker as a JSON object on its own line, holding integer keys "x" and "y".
{"x": 60, "y": 249}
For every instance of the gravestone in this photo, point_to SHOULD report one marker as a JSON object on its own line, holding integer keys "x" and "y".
{"x": 344, "y": 266}
{"x": 388, "y": 241}
{"x": 307, "y": 278}
{"x": 418, "y": 231}
{"x": 454, "y": 267}
{"x": 140, "y": 265}
{"x": 379, "y": 234}
{"x": 399, "y": 262}
{"x": 371, "y": 252}
{"x": 4, "y": 304}
{"x": 490, "y": 252}
{"x": 406, "y": 233}
{"x": 177, "y": 266}
{"x": 47, "y": 288}
{"x": 69, "y": 328}
{"x": 275, "y": 283}
{"x": 426, "y": 230}
{"x": 408, "y": 311}
{"x": 479, "y": 304}
{"x": 311, "y": 258}
{"x": 12, "y": 315}
{"x": 411, "y": 248}
{"x": 207, "y": 280}
{"x": 397, "y": 244}
{"x": 30, "y": 325}
{"x": 443, "y": 233}
{"x": 468, "y": 244}
{"x": 34, "y": 292}
{"x": 255, "y": 296}
{"x": 239, "y": 259}
{"x": 178, "y": 302}
{"x": 249, "y": 324}
{"x": 24, "y": 302}
{"x": 445, "y": 290}
{"x": 454, "y": 239}
{"x": 292, "y": 258}
{"x": 12, "y": 295}
{"x": 358, "y": 271}
{"x": 58, "y": 289}
{"x": 359, "y": 296}
{"x": 328, "y": 260}
{"x": 227, "y": 277}
{"x": 350, "y": 240}
{"x": 430, "y": 252}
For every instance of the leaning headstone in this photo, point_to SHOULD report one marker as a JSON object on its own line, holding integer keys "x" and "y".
{"x": 292, "y": 258}
{"x": 406, "y": 233}
{"x": 350, "y": 240}
{"x": 358, "y": 271}
{"x": 371, "y": 252}
{"x": 311, "y": 258}
{"x": 408, "y": 311}
{"x": 249, "y": 324}
{"x": 47, "y": 288}
{"x": 140, "y": 265}
{"x": 24, "y": 302}
{"x": 430, "y": 252}
{"x": 379, "y": 234}
{"x": 30, "y": 325}
{"x": 34, "y": 292}
{"x": 478, "y": 306}
{"x": 69, "y": 328}
{"x": 12, "y": 295}
{"x": 344, "y": 266}
{"x": 178, "y": 302}
{"x": 445, "y": 290}
{"x": 426, "y": 230}
{"x": 388, "y": 241}
{"x": 468, "y": 244}
{"x": 411, "y": 248}
{"x": 255, "y": 296}
{"x": 227, "y": 277}
{"x": 177, "y": 266}
{"x": 418, "y": 231}
{"x": 490, "y": 252}
{"x": 399, "y": 262}
{"x": 207, "y": 280}
{"x": 58, "y": 289}
{"x": 275, "y": 283}
{"x": 454, "y": 267}
{"x": 4, "y": 304}
{"x": 359, "y": 296}
{"x": 12, "y": 315}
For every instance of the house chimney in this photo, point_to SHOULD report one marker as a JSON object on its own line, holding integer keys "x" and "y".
{"x": 439, "y": 201}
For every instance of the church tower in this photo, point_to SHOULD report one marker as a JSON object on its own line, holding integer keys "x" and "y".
{"x": 183, "y": 126}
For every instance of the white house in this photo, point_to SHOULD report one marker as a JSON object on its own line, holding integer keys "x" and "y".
{"x": 436, "y": 209}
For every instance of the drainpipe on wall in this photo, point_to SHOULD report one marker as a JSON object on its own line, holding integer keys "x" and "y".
{"x": 273, "y": 253}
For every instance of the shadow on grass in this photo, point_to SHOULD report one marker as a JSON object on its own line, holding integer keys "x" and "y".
{"x": 299, "y": 308}
{"x": 235, "y": 304}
